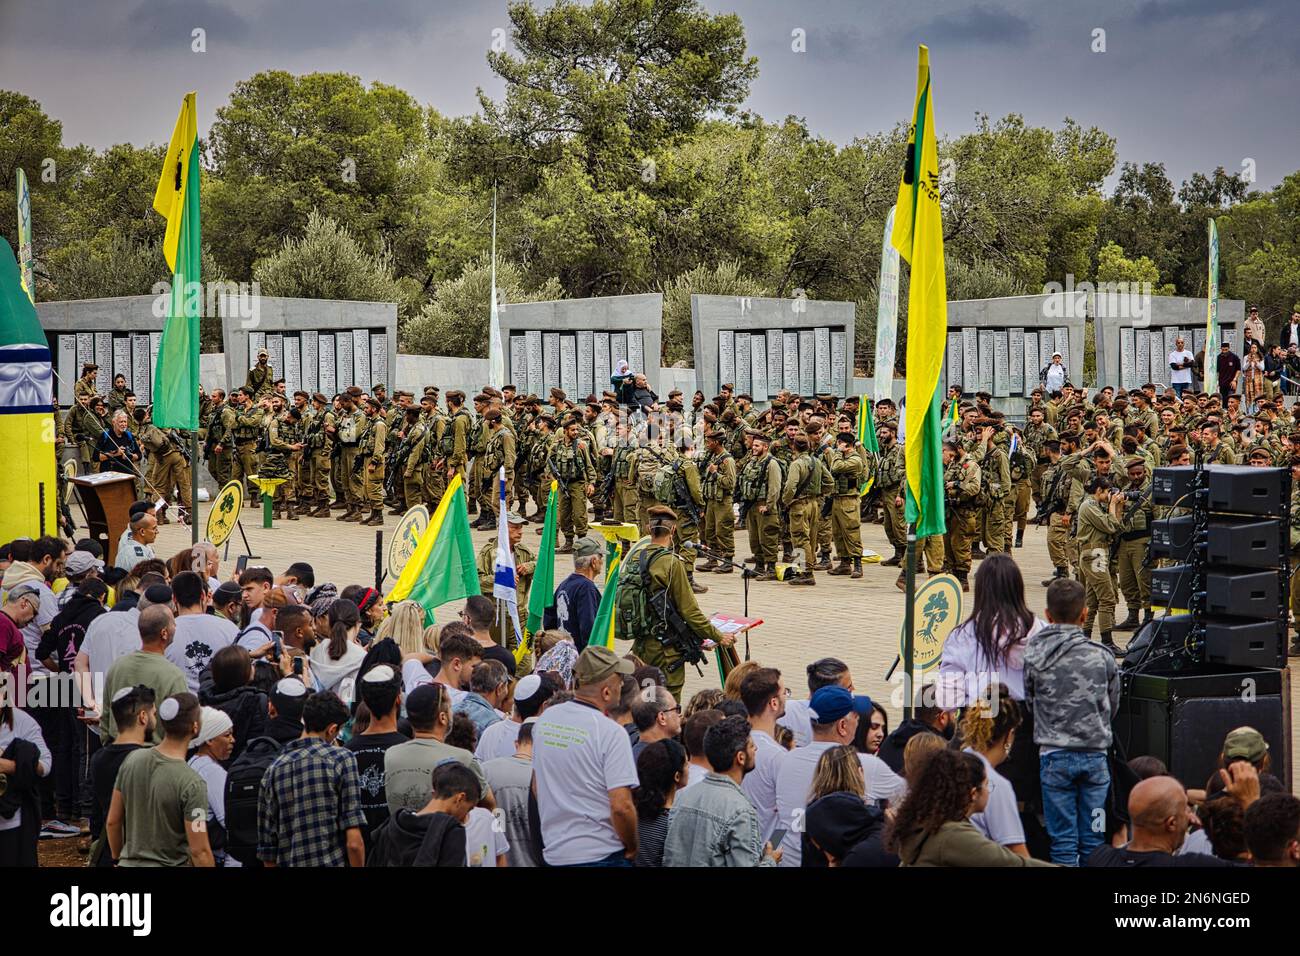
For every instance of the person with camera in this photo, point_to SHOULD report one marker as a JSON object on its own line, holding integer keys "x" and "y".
{"x": 1098, "y": 525}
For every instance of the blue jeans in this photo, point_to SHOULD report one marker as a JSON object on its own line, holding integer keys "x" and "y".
{"x": 1179, "y": 388}
{"x": 614, "y": 859}
{"x": 1075, "y": 784}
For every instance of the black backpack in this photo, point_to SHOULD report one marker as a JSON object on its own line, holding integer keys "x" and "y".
{"x": 243, "y": 785}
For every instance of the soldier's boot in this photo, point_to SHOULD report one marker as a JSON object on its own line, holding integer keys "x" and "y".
{"x": 710, "y": 565}
{"x": 897, "y": 560}
{"x": 1020, "y": 538}
{"x": 977, "y": 553}
{"x": 341, "y": 503}
{"x": 857, "y": 568}
{"x": 1129, "y": 623}
{"x": 696, "y": 586}
{"x": 1148, "y": 616}
{"x": 761, "y": 572}
{"x": 842, "y": 567}
{"x": 1108, "y": 642}
{"x": 290, "y": 511}
{"x": 322, "y": 510}
{"x": 1059, "y": 573}
{"x": 965, "y": 581}
{"x": 346, "y": 513}
{"x": 901, "y": 582}
{"x": 752, "y": 560}
{"x": 823, "y": 562}
{"x": 397, "y": 509}
{"x": 568, "y": 545}
{"x": 376, "y": 517}
{"x": 358, "y": 514}
{"x": 722, "y": 568}
{"x": 787, "y": 555}
{"x": 804, "y": 579}
{"x": 277, "y": 510}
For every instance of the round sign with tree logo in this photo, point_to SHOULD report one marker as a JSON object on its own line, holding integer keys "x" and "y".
{"x": 406, "y": 538}
{"x": 225, "y": 512}
{"x": 937, "y": 610}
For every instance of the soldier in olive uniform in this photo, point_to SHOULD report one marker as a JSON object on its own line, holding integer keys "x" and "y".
{"x": 962, "y": 483}
{"x": 525, "y": 567}
{"x": 261, "y": 377}
{"x": 995, "y": 477}
{"x": 454, "y": 446}
{"x": 685, "y": 495}
{"x": 1132, "y": 566}
{"x": 1098, "y": 524}
{"x": 320, "y": 439}
{"x": 410, "y": 449}
{"x": 718, "y": 485}
{"x": 847, "y": 469}
{"x": 83, "y": 427}
{"x": 499, "y": 451}
{"x": 116, "y": 397}
{"x": 890, "y": 475}
{"x": 86, "y": 384}
{"x": 282, "y": 440}
{"x": 370, "y": 462}
{"x": 799, "y": 498}
{"x": 625, "y": 496}
{"x": 216, "y": 445}
{"x": 242, "y": 423}
{"x": 758, "y": 487}
{"x": 570, "y": 462}
{"x": 637, "y": 615}
{"x": 351, "y": 424}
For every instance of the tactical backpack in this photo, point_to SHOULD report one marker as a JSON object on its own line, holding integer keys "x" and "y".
{"x": 243, "y": 784}
{"x": 665, "y": 481}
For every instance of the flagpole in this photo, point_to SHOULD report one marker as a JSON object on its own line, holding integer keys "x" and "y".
{"x": 909, "y": 620}
{"x": 194, "y": 486}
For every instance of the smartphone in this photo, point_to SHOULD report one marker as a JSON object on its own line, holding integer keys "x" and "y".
{"x": 778, "y": 835}
{"x": 297, "y": 667}
{"x": 242, "y": 564}
{"x": 278, "y": 638}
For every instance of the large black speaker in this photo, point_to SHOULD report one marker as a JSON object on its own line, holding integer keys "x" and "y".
{"x": 1246, "y": 544}
{"x": 1172, "y": 587}
{"x": 1246, "y": 490}
{"x": 1183, "y": 718}
{"x": 1242, "y": 593}
{"x": 1237, "y": 643}
{"x": 1172, "y": 538}
{"x": 1172, "y": 484}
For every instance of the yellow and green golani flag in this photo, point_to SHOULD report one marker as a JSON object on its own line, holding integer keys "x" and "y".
{"x": 918, "y": 237}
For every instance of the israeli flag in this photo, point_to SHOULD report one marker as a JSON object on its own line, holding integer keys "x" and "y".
{"x": 503, "y": 575}
{"x": 1015, "y": 442}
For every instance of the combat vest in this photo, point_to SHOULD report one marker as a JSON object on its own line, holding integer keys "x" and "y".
{"x": 646, "y": 613}
{"x": 752, "y": 483}
{"x": 447, "y": 445}
{"x": 348, "y": 433}
{"x": 709, "y": 482}
{"x": 847, "y": 482}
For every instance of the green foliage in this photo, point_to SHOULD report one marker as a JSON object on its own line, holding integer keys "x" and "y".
{"x": 1259, "y": 247}
{"x": 1114, "y": 266}
{"x": 328, "y": 263}
{"x": 725, "y": 278}
{"x": 455, "y": 320}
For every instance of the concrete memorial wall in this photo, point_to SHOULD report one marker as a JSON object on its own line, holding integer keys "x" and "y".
{"x": 763, "y": 345}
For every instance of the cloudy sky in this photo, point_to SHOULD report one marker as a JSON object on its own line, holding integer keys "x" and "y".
{"x": 1191, "y": 83}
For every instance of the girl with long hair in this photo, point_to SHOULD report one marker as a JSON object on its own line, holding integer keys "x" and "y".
{"x": 839, "y": 770}
{"x": 933, "y": 824}
{"x": 336, "y": 661}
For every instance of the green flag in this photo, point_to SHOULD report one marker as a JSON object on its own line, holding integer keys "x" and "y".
{"x": 602, "y": 630}
{"x": 176, "y": 375}
{"x": 443, "y": 567}
{"x": 542, "y": 593}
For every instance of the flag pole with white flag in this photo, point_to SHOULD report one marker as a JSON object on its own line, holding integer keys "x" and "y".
{"x": 496, "y": 353}
{"x": 1212, "y": 307}
{"x": 886, "y": 315}
{"x": 503, "y": 572}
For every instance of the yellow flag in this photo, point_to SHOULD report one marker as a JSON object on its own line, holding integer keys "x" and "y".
{"x": 918, "y": 237}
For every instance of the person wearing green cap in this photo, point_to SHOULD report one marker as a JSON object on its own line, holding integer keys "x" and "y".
{"x": 583, "y": 770}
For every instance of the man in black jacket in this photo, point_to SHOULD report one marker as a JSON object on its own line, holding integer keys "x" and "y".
{"x": 934, "y": 720}
{"x": 435, "y": 836}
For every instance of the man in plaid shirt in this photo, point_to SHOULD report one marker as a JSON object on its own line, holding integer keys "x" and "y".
{"x": 309, "y": 806}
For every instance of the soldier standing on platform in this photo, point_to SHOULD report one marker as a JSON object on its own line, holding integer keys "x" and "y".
{"x": 718, "y": 484}
{"x": 86, "y": 384}
{"x": 261, "y": 377}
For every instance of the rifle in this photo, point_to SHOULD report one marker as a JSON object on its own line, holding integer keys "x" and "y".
{"x": 671, "y": 631}
{"x": 683, "y": 492}
{"x": 1051, "y": 505}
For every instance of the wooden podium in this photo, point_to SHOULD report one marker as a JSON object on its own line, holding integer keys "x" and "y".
{"x": 107, "y": 496}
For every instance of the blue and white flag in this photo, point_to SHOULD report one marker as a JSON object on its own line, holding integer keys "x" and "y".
{"x": 503, "y": 573}
{"x": 1015, "y": 442}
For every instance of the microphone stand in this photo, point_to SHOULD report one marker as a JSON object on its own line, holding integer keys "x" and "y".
{"x": 746, "y": 573}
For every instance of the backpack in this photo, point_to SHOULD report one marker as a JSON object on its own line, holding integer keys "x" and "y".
{"x": 635, "y": 618}
{"x": 243, "y": 786}
{"x": 664, "y": 480}
{"x": 647, "y": 472}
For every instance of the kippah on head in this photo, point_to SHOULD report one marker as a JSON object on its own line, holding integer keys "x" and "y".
{"x": 169, "y": 708}
{"x": 379, "y": 674}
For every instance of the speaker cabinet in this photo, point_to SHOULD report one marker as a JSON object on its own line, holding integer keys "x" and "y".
{"x": 1183, "y": 718}
{"x": 1245, "y": 544}
{"x": 1245, "y": 643}
{"x": 1242, "y": 593}
{"x": 1246, "y": 490}
{"x": 1172, "y": 485}
{"x": 1172, "y": 538}
{"x": 1172, "y": 587}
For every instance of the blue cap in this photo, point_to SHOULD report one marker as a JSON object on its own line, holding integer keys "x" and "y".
{"x": 829, "y": 704}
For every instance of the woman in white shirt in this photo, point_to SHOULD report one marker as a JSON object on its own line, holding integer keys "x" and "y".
{"x": 989, "y": 648}
{"x": 335, "y": 661}
{"x": 989, "y": 733}
{"x": 210, "y": 749}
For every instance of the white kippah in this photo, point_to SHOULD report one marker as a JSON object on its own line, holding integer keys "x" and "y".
{"x": 527, "y": 687}
{"x": 379, "y": 674}
{"x": 290, "y": 687}
{"x": 122, "y": 693}
{"x": 169, "y": 708}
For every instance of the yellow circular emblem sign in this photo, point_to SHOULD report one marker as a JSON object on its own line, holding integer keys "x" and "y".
{"x": 406, "y": 536}
{"x": 225, "y": 512}
{"x": 937, "y": 610}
